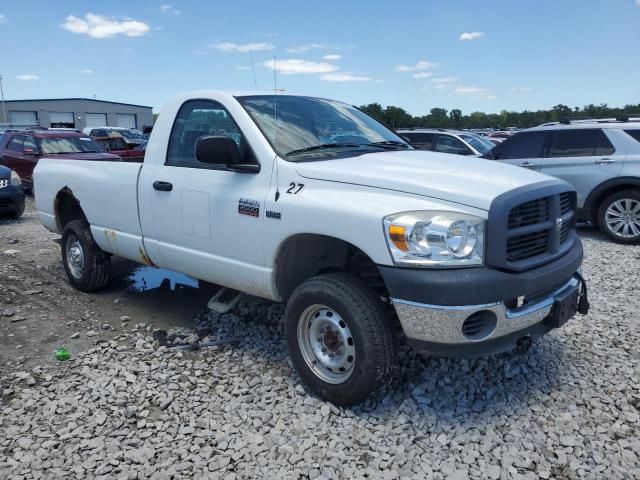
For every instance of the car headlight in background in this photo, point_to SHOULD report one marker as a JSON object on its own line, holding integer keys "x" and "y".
{"x": 15, "y": 178}
{"x": 435, "y": 239}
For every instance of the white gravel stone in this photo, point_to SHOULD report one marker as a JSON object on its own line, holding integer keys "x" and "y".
{"x": 567, "y": 409}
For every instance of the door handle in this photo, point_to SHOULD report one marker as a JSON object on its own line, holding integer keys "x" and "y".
{"x": 527, "y": 164}
{"x": 605, "y": 161}
{"x": 162, "y": 186}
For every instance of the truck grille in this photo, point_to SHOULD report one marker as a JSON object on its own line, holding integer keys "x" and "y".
{"x": 533, "y": 232}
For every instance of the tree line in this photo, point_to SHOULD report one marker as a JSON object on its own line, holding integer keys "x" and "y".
{"x": 396, "y": 117}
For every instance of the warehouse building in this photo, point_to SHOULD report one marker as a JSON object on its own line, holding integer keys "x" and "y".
{"x": 75, "y": 113}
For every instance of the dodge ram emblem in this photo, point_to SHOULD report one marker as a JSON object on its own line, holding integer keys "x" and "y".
{"x": 558, "y": 224}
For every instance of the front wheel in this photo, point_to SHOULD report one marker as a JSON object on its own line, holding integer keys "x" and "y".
{"x": 340, "y": 340}
{"x": 619, "y": 217}
{"x": 87, "y": 266}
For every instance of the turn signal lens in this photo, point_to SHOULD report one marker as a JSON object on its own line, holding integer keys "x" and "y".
{"x": 398, "y": 235}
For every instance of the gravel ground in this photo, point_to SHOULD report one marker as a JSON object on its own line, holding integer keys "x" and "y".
{"x": 124, "y": 408}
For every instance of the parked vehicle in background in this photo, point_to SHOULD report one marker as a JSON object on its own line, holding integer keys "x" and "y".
{"x": 118, "y": 146}
{"x": 458, "y": 142}
{"x": 495, "y": 140}
{"x": 132, "y": 138}
{"x": 11, "y": 193}
{"x": 451, "y": 266}
{"x": 600, "y": 158}
{"x": 22, "y": 149}
{"x": 501, "y": 134}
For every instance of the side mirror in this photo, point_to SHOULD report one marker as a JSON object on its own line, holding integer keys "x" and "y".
{"x": 222, "y": 150}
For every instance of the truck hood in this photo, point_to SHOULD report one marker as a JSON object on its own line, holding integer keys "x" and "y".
{"x": 474, "y": 182}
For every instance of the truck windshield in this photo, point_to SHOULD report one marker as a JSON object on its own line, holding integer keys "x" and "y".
{"x": 316, "y": 126}
{"x": 53, "y": 145}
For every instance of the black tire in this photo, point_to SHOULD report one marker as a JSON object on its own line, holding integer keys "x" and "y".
{"x": 18, "y": 210}
{"x": 96, "y": 264}
{"x": 371, "y": 330}
{"x": 632, "y": 196}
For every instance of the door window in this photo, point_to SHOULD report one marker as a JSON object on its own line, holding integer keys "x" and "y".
{"x": 521, "y": 145}
{"x": 424, "y": 140}
{"x": 196, "y": 119}
{"x": 634, "y": 133}
{"x": 30, "y": 143}
{"x": 580, "y": 143}
{"x": 449, "y": 144}
{"x": 15, "y": 145}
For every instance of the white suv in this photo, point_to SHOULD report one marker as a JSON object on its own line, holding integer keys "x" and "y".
{"x": 458, "y": 142}
{"x": 600, "y": 158}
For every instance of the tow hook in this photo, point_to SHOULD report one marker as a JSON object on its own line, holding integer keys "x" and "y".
{"x": 523, "y": 345}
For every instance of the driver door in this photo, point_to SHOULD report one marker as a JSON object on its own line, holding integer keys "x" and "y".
{"x": 202, "y": 224}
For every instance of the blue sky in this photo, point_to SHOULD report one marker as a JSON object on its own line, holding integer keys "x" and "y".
{"x": 417, "y": 54}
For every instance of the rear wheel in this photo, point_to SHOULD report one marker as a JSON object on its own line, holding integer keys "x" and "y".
{"x": 619, "y": 217}
{"x": 340, "y": 340}
{"x": 87, "y": 266}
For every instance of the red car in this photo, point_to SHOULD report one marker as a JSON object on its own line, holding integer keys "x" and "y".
{"x": 20, "y": 150}
{"x": 118, "y": 146}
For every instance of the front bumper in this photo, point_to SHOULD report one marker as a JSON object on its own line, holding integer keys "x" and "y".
{"x": 508, "y": 308}
{"x": 11, "y": 198}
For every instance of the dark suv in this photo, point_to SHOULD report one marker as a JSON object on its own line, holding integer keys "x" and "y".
{"x": 600, "y": 158}
{"x": 21, "y": 150}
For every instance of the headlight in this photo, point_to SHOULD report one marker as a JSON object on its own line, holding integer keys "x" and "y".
{"x": 435, "y": 239}
{"x": 15, "y": 178}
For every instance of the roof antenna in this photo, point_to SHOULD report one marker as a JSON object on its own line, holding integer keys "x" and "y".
{"x": 253, "y": 68}
{"x": 275, "y": 116}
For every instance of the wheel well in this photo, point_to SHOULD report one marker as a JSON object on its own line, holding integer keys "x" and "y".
{"x": 306, "y": 255}
{"x": 67, "y": 208}
{"x": 599, "y": 196}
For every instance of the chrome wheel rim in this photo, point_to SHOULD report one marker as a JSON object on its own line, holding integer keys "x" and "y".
{"x": 623, "y": 218}
{"x": 75, "y": 256}
{"x": 326, "y": 343}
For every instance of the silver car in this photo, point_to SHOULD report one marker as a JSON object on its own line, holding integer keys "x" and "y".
{"x": 600, "y": 158}
{"x": 458, "y": 142}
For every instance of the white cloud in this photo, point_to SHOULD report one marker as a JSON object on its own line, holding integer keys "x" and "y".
{"x": 246, "y": 47}
{"x": 4, "y": 19}
{"x": 471, "y": 35}
{"x": 421, "y": 65}
{"x": 422, "y": 75}
{"x": 442, "y": 86}
{"x": 99, "y": 26}
{"x": 345, "y": 77}
{"x": 169, "y": 9}
{"x": 469, "y": 90}
{"x": 524, "y": 89}
{"x": 442, "y": 80}
{"x": 87, "y": 71}
{"x": 335, "y": 56}
{"x": 304, "y": 48}
{"x": 379, "y": 81}
{"x": 491, "y": 97}
{"x": 242, "y": 68}
{"x": 292, "y": 66}
{"x": 27, "y": 77}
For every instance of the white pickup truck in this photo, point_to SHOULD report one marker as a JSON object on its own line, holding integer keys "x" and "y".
{"x": 311, "y": 202}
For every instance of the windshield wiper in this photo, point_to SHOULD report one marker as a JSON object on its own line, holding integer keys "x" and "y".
{"x": 324, "y": 146}
{"x": 390, "y": 144}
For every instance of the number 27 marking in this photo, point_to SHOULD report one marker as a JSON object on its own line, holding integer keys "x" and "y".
{"x": 295, "y": 188}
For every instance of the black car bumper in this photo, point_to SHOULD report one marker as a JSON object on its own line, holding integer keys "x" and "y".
{"x": 11, "y": 199}
{"x": 477, "y": 311}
